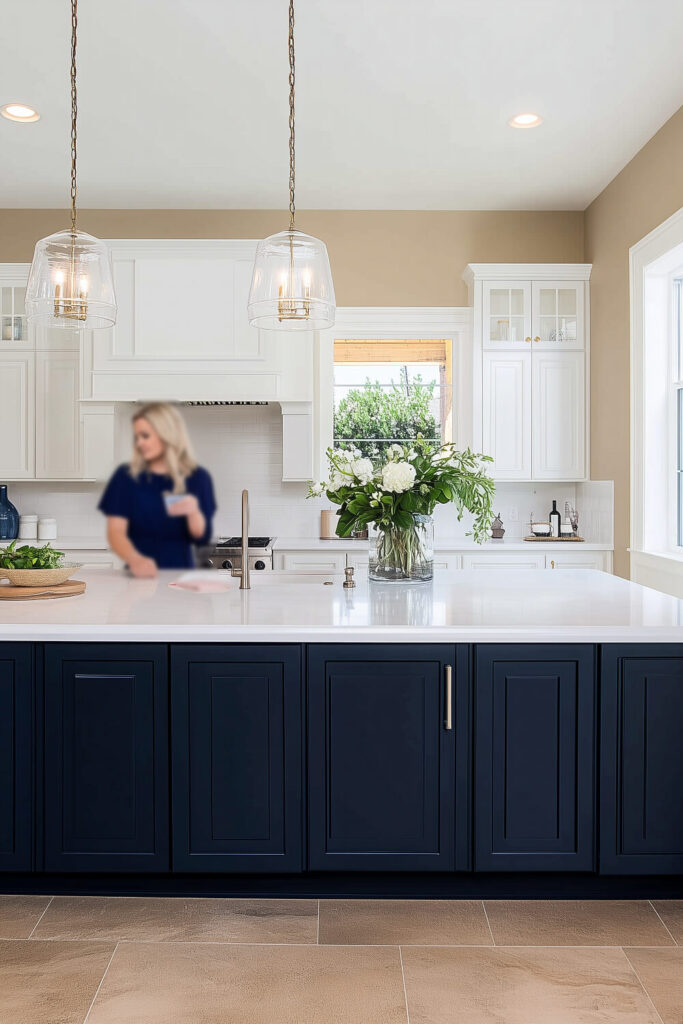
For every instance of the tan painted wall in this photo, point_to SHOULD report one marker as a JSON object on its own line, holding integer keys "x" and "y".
{"x": 647, "y": 191}
{"x": 379, "y": 258}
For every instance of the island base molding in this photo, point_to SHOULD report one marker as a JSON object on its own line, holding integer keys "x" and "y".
{"x": 354, "y": 885}
{"x": 247, "y": 767}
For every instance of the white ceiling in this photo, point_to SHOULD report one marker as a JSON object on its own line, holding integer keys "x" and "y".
{"x": 183, "y": 103}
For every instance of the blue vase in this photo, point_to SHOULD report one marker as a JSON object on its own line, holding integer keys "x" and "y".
{"x": 9, "y": 517}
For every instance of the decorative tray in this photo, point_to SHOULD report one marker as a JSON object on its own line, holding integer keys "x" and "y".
{"x": 555, "y": 540}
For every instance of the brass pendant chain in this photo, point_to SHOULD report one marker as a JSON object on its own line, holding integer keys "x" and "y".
{"x": 291, "y": 114}
{"x": 74, "y": 111}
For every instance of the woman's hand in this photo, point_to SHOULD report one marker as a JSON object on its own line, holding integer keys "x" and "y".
{"x": 187, "y": 506}
{"x": 142, "y": 568}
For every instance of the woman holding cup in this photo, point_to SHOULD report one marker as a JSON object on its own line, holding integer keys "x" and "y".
{"x": 160, "y": 504}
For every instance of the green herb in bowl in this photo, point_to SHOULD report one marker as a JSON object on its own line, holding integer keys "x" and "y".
{"x": 28, "y": 557}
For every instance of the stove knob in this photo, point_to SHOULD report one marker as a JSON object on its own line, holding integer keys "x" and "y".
{"x": 227, "y": 564}
{"x": 259, "y": 564}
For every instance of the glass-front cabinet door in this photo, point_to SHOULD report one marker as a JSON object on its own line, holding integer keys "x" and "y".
{"x": 507, "y": 314}
{"x": 557, "y": 315}
{"x": 13, "y": 325}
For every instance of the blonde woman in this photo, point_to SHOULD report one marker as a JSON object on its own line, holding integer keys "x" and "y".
{"x": 162, "y": 503}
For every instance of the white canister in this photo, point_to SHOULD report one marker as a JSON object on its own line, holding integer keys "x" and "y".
{"x": 47, "y": 529}
{"x": 28, "y": 527}
{"x": 328, "y": 524}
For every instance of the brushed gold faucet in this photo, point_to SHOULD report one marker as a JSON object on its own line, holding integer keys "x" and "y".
{"x": 243, "y": 573}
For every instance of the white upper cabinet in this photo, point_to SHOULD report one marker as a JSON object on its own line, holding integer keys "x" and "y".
{"x": 507, "y": 414}
{"x": 507, "y": 314}
{"x": 530, "y": 345}
{"x": 17, "y": 415}
{"x": 58, "y": 440}
{"x": 557, "y": 320}
{"x": 558, "y": 416}
{"x": 13, "y": 323}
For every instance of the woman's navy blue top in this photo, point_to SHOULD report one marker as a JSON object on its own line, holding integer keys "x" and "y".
{"x": 151, "y": 529}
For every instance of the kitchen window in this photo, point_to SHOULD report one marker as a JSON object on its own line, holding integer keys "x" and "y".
{"x": 677, "y": 404}
{"x": 387, "y": 391}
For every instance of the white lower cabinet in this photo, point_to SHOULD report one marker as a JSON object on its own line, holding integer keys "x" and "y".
{"x": 17, "y": 415}
{"x": 504, "y": 560}
{"x": 310, "y": 561}
{"x": 58, "y": 441}
{"x": 601, "y": 560}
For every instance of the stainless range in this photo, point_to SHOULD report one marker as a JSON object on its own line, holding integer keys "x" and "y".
{"x": 226, "y": 553}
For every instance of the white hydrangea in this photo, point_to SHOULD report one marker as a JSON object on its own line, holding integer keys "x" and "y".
{"x": 398, "y": 477}
{"x": 339, "y": 479}
{"x": 362, "y": 470}
{"x": 395, "y": 449}
{"x": 316, "y": 490}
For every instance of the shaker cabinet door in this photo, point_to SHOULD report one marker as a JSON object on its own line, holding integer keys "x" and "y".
{"x": 236, "y": 757}
{"x": 16, "y": 757}
{"x": 641, "y": 771}
{"x": 507, "y": 413}
{"x": 58, "y": 437}
{"x": 381, "y": 760}
{"x": 17, "y": 415}
{"x": 558, "y": 423}
{"x": 106, "y": 757}
{"x": 535, "y": 749}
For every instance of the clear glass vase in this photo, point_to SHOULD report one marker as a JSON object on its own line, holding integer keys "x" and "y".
{"x": 403, "y": 554}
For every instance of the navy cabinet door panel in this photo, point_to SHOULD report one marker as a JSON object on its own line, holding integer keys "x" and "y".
{"x": 641, "y": 781}
{"x": 106, "y": 758}
{"x": 381, "y": 763}
{"x": 534, "y": 777}
{"x": 236, "y": 732}
{"x": 16, "y": 757}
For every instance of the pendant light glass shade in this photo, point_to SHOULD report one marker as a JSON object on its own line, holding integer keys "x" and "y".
{"x": 70, "y": 283}
{"x": 291, "y": 287}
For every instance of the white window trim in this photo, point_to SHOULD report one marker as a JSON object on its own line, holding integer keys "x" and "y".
{"x": 400, "y": 323}
{"x": 656, "y": 560}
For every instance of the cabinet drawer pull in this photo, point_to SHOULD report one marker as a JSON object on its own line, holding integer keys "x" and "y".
{"x": 537, "y": 338}
{"x": 449, "y": 698}
{"x": 552, "y": 564}
{"x": 527, "y": 339}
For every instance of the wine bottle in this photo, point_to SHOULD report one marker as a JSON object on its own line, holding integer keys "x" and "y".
{"x": 555, "y": 519}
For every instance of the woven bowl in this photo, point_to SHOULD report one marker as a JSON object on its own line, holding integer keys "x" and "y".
{"x": 40, "y": 577}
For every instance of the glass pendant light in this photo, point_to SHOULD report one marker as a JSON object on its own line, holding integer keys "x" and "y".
{"x": 291, "y": 287}
{"x": 70, "y": 283}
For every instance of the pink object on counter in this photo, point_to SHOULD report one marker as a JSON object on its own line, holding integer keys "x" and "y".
{"x": 201, "y": 585}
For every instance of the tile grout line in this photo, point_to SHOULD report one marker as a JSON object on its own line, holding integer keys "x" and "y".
{"x": 49, "y": 902}
{"x": 483, "y": 907}
{"x": 638, "y": 979}
{"x": 663, "y": 922}
{"x": 97, "y": 992}
{"x": 405, "y": 991}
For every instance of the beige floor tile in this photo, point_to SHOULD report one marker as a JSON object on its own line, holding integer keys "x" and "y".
{"x": 183, "y": 983}
{"x": 404, "y": 922}
{"x": 671, "y": 913}
{"x": 161, "y": 919}
{"x": 49, "y": 982}
{"x": 523, "y": 986}
{"x": 20, "y": 914}
{"x": 575, "y": 923}
{"x": 661, "y": 973}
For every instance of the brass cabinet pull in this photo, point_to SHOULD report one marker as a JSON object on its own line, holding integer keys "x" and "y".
{"x": 527, "y": 339}
{"x": 537, "y": 338}
{"x": 552, "y": 563}
{"x": 449, "y": 698}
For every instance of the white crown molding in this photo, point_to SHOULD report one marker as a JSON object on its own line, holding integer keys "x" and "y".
{"x": 160, "y": 248}
{"x": 14, "y": 271}
{"x": 535, "y": 271}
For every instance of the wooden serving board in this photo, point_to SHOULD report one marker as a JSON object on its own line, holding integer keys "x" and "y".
{"x": 68, "y": 589}
{"x": 554, "y": 540}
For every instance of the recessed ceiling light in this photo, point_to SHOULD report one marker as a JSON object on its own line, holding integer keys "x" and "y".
{"x": 525, "y": 121}
{"x": 19, "y": 112}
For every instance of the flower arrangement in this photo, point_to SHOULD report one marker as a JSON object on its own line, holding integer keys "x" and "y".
{"x": 396, "y": 494}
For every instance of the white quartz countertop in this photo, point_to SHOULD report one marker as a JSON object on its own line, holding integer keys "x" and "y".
{"x": 506, "y": 606}
{"x": 440, "y": 544}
